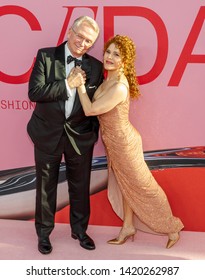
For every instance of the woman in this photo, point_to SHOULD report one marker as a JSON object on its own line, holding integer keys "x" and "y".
{"x": 139, "y": 193}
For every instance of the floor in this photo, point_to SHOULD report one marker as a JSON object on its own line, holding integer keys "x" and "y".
{"x": 18, "y": 242}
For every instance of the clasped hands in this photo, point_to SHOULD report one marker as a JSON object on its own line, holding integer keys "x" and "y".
{"x": 76, "y": 77}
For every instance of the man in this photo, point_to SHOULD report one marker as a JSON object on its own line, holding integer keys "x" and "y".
{"x": 58, "y": 127}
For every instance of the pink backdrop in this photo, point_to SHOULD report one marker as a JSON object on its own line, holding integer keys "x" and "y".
{"x": 170, "y": 64}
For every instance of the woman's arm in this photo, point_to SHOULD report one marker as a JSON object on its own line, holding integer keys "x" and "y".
{"x": 106, "y": 102}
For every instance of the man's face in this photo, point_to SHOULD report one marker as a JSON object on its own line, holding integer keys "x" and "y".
{"x": 81, "y": 39}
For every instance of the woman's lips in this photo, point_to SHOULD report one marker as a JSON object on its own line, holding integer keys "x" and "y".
{"x": 108, "y": 62}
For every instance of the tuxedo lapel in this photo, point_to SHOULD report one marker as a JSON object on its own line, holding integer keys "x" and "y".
{"x": 59, "y": 68}
{"x": 60, "y": 72}
{"x": 86, "y": 66}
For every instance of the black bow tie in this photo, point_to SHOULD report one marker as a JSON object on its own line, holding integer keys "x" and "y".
{"x": 70, "y": 58}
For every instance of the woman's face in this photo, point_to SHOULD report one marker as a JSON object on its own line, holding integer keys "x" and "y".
{"x": 112, "y": 59}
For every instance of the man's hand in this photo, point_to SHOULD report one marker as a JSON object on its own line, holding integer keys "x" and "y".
{"x": 76, "y": 77}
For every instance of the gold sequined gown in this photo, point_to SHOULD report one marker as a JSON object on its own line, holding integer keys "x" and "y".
{"x": 129, "y": 175}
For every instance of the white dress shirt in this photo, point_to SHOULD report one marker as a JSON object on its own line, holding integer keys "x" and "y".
{"x": 71, "y": 92}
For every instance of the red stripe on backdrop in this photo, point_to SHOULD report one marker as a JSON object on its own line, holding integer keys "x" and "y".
{"x": 185, "y": 189}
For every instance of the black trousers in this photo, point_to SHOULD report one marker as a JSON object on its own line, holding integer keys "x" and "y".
{"x": 78, "y": 170}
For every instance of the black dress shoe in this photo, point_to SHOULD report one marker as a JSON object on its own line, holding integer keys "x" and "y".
{"x": 44, "y": 245}
{"x": 85, "y": 241}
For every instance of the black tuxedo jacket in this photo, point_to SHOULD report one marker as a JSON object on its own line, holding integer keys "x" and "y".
{"x": 47, "y": 88}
